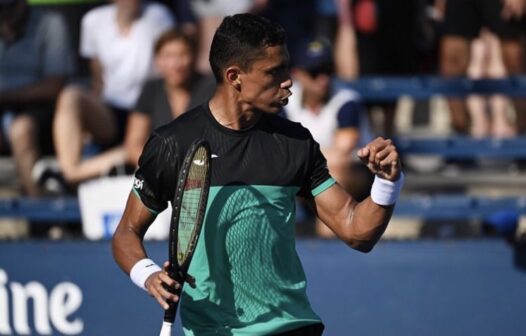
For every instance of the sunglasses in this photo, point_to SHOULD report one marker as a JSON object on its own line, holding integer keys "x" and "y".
{"x": 325, "y": 70}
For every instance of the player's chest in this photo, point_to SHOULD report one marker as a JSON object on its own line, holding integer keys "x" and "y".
{"x": 257, "y": 161}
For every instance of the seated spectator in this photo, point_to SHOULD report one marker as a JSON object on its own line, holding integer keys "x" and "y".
{"x": 490, "y": 116}
{"x": 463, "y": 21}
{"x": 185, "y": 16}
{"x": 35, "y": 60}
{"x": 209, "y": 14}
{"x": 334, "y": 22}
{"x": 386, "y": 37}
{"x": 179, "y": 89}
{"x": 118, "y": 40}
{"x": 336, "y": 118}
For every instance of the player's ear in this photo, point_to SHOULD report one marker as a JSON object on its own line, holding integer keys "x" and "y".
{"x": 232, "y": 77}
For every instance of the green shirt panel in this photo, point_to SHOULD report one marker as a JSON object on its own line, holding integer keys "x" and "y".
{"x": 248, "y": 275}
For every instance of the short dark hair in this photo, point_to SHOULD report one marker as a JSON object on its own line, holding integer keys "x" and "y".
{"x": 241, "y": 39}
{"x": 174, "y": 34}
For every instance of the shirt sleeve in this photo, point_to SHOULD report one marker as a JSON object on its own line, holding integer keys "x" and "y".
{"x": 349, "y": 115}
{"x": 57, "y": 53}
{"x": 156, "y": 177}
{"x": 318, "y": 178}
{"x": 145, "y": 101}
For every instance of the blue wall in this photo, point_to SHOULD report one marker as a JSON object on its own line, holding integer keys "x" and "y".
{"x": 401, "y": 288}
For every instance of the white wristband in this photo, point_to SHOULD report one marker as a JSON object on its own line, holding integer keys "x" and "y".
{"x": 142, "y": 270}
{"x": 385, "y": 192}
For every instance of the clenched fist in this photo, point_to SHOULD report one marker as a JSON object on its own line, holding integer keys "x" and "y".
{"x": 382, "y": 159}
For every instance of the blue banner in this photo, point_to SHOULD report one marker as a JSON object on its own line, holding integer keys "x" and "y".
{"x": 401, "y": 288}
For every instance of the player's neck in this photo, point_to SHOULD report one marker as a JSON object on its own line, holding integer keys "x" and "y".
{"x": 229, "y": 113}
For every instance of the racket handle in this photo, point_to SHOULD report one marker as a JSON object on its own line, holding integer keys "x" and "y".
{"x": 170, "y": 313}
{"x": 166, "y": 329}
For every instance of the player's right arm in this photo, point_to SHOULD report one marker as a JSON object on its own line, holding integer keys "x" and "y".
{"x": 154, "y": 180}
{"x": 128, "y": 249}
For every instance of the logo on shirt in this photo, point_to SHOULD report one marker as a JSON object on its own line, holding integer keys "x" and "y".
{"x": 138, "y": 184}
{"x": 214, "y": 156}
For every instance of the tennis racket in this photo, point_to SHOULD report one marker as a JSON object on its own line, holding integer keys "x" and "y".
{"x": 188, "y": 212}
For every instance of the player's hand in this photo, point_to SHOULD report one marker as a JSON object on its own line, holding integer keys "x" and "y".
{"x": 382, "y": 159}
{"x": 163, "y": 288}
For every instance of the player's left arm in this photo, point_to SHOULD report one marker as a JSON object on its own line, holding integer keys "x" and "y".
{"x": 362, "y": 224}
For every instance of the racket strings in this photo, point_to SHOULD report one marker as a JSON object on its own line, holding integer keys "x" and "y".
{"x": 191, "y": 203}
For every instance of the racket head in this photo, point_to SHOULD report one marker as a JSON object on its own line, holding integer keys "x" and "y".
{"x": 188, "y": 212}
{"x": 189, "y": 204}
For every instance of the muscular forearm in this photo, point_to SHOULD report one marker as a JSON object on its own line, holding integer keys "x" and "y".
{"x": 45, "y": 90}
{"x": 367, "y": 223}
{"x": 127, "y": 248}
{"x": 370, "y": 217}
{"x": 130, "y": 255}
{"x": 362, "y": 224}
{"x": 359, "y": 225}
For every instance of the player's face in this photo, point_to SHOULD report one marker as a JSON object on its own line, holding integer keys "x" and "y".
{"x": 174, "y": 62}
{"x": 266, "y": 85}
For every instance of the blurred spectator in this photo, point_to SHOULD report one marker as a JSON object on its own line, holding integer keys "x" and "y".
{"x": 209, "y": 14}
{"x": 386, "y": 33}
{"x": 345, "y": 45}
{"x": 118, "y": 40}
{"x": 185, "y": 16}
{"x": 297, "y": 17}
{"x": 490, "y": 116}
{"x": 336, "y": 118}
{"x": 35, "y": 59}
{"x": 166, "y": 98}
{"x": 72, "y": 12}
{"x": 326, "y": 18}
{"x": 463, "y": 20}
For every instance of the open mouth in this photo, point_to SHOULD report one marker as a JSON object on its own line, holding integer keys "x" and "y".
{"x": 284, "y": 101}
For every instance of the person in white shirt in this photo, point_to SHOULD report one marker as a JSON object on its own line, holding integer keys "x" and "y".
{"x": 118, "y": 40}
{"x": 36, "y": 60}
{"x": 336, "y": 118}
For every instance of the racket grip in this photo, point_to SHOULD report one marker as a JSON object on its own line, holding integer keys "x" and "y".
{"x": 171, "y": 312}
{"x": 166, "y": 329}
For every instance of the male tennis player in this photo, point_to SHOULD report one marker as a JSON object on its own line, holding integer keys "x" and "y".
{"x": 247, "y": 277}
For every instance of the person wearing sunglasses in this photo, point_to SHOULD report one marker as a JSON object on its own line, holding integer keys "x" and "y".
{"x": 335, "y": 117}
